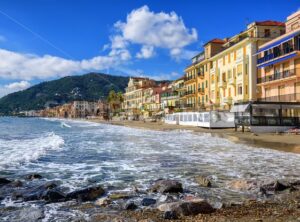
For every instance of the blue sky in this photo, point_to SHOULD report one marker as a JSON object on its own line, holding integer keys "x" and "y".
{"x": 47, "y": 39}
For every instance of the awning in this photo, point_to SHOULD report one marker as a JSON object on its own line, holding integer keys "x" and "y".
{"x": 240, "y": 108}
{"x": 266, "y": 106}
{"x": 278, "y": 60}
{"x": 279, "y": 41}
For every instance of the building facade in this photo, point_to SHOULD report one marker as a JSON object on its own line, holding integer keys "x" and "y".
{"x": 133, "y": 97}
{"x": 233, "y": 70}
{"x": 278, "y": 65}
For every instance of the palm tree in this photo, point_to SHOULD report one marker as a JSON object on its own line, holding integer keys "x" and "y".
{"x": 114, "y": 100}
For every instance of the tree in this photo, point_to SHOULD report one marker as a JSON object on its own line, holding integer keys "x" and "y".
{"x": 115, "y": 100}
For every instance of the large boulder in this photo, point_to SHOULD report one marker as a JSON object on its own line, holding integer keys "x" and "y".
{"x": 167, "y": 186}
{"x": 275, "y": 186}
{"x": 35, "y": 193}
{"x": 87, "y": 194}
{"x": 148, "y": 201}
{"x": 203, "y": 181}
{"x": 4, "y": 181}
{"x": 33, "y": 176}
{"x": 130, "y": 206}
{"x": 187, "y": 208}
{"x": 31, "y": 214}
{"x": 242, "y": 184}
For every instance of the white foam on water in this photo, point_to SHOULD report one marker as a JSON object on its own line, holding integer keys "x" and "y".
{"x": 64, "y": 125}
{"x": 16, "y": 151}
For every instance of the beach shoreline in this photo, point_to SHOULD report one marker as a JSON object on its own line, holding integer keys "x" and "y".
{"x": 281, "y": 142}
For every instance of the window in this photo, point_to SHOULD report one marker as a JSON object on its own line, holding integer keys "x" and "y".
{"x": 246, "y": 69}
{"x": 229, "y": 92}
{"x": 223, "y": 60}
{"x": 206, "y": 98}
{"x": 240, "y": 89}
{"x": 239, "y": 69}
{"x": 229, "y": 58}
{"x": 206, "y": 83}
{"x": 246, "y": 89}
{"x": 267, "y": 33}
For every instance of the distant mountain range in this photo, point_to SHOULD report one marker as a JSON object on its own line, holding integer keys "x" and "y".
{"x": 90, "y": 87}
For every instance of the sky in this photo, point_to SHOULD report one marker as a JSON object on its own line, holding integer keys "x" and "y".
{"x": 42, "y": 40}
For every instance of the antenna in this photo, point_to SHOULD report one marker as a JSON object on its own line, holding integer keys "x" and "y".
{"x": 247, "y": 21}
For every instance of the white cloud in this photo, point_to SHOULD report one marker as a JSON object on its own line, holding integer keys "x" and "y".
{"x": 18, "y": 85}
{"x": 146, "y": 52}
{"x": 150, "y": 29}
{"x": 15, "y": 65}
{"x": 13, "y": 87}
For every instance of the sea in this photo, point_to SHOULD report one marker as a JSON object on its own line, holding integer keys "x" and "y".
{"x": 78, "y": 154}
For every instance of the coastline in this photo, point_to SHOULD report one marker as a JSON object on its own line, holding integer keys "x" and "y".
{"x": 281, "y": 142}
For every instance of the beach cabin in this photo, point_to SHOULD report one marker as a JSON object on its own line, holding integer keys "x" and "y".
{"x": 212, "y": 119}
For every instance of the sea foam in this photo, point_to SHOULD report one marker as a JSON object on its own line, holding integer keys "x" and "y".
{"x": 16, "y": 151}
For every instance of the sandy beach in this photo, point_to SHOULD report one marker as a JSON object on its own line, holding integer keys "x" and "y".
{"x": 284, "y": 142}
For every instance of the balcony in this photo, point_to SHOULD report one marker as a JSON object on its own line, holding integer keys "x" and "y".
{"x": 222, "y": 84}
{"x": 277, "y": 53}
{"x": 190, "y": 92}
{"x": 191, "y": 77}
{"x": 295, "y": 97}
{"x": 227, "y": 100}
{"x": 201, "y": 90}
{"x": 231, "y": 81}
{"x": 201, "y": 75}
{"x": 278, "y": 76}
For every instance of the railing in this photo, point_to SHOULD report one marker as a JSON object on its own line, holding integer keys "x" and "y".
{"x": 201, "y": 74}
{"x": 201, "y": 90}
{"x": 189, "y": 92}
{"x": 231, "y": 81}
{"x": 187, "y": 78}
{"x": 277, "y": 75}
{"x": 281, "y": 98}
{"x": 277, "y": 53}
{"x": 274, "y": 121}
{"x": 222, "y": 83}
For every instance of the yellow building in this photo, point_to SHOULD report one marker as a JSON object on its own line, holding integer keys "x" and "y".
{"x": 133, "y": 97}
{"x": 197, "y": 78}
{"x": 190, "y": 82}
{"x": 233, "y": 70}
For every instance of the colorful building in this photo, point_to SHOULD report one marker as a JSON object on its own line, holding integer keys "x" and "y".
{"x": 278, "y": 65}
{"x": 133, "y": 97}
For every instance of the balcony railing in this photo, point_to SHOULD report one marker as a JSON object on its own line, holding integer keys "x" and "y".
{"x": 189, "y": 92}
{"x": 201, "y": 75}
{"x": 222, "y": 84}
{"x": 278, "y": 53}
{"x": 231, "y": 81}
{"x": 187, "y": 78}
{"x": 201, "y": 90}
{"x": 278, "y": 75}
{"x": 282, "y": 98}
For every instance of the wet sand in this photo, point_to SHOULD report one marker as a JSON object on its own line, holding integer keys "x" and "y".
{"x": 283, "y": 142}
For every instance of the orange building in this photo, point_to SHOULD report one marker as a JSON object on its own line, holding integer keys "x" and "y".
{"x": 278, "y": 65}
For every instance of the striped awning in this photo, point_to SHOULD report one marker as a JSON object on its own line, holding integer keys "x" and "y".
{"x": 281, "y": 59}
{"x": 278, "y": 42}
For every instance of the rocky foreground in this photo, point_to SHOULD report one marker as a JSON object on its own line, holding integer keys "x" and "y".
{"x": 165, "y": 200}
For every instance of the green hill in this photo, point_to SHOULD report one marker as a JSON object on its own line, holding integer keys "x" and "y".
{"x": 90, "y": 87}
